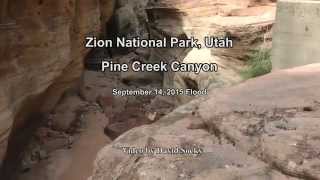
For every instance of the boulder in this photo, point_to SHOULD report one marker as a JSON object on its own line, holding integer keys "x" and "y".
{"x": 137, "y": 77}
{"x": 130, "y": 20}
{"x": 127, "y": 23}
{"x": 66, "y": 112}
{"x": 265, "y": 128}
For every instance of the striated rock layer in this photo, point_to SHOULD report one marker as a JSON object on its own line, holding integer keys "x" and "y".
{"x": 265, "y": 128}
{"x": 247, "y": 23}
{"x": 41, "y": 50}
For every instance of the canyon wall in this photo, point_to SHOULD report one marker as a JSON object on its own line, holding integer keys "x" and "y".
{"x": 297, "y": 32}
{"x": 248, "y": 23}
{"x": 41, "y": 45}
{"x": 41, "y": 54}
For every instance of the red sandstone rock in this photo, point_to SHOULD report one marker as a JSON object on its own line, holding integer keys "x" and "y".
{"x": 41, "y": 50}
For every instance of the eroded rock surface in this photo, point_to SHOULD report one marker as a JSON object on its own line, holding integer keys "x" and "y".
{"x": 79, "y": 127}
{"x": 265, "y": 128}
{"x": 41, "y": 53}
{"x": 247, "y": 23}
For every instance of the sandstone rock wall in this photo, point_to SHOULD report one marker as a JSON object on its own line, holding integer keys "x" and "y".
{"x": 247, "y": 23}
{"x": 297, "y": 32}
{"x": 41, "y": 50}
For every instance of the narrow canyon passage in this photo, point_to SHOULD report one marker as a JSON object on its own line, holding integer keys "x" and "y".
{"x": 73, "y": 162}
{"x": 82, "y": 124}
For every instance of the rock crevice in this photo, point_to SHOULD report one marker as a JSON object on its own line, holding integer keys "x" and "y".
{"x": 42, "y": 55}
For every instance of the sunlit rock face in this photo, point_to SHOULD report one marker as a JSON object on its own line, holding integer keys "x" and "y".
{"x": 41, "y": 50}
{"x": 246, "y": 131}
{"x": 247, "y": 23}
{"x": 300, "y": 39}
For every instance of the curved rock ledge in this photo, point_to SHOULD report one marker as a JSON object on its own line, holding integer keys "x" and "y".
{"x": 265, "y": 128}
